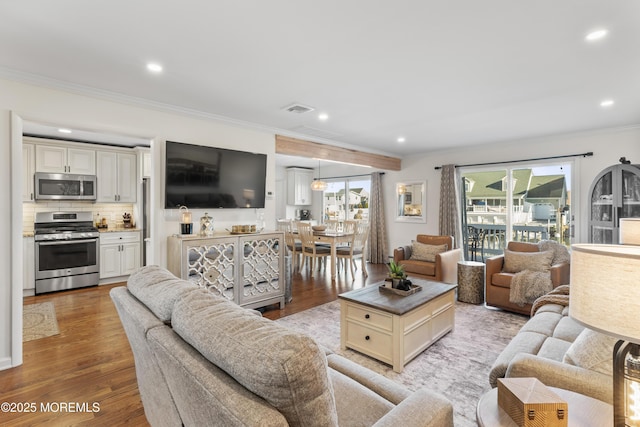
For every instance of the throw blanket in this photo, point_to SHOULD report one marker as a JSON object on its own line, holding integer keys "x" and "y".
{"x": 527, "y": 286}
{"x": 560, "y": 252}
{"x": 559, "y": 295}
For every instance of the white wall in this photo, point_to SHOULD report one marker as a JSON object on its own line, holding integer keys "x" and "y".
{"x": 43, "y": 105}
{"x": 607, "y": 145}
{"x": 68, "y": 109}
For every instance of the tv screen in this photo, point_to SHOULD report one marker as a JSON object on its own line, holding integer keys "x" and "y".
{"x": 200, "y": 177}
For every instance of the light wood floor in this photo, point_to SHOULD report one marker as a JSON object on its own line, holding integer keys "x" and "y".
{"x": 90, "y": 361}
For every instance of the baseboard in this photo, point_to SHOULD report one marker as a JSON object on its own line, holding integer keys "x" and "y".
{"x": 5, "y": 363}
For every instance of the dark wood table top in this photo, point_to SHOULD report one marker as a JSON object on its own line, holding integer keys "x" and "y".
{"x": 373, "y": 297}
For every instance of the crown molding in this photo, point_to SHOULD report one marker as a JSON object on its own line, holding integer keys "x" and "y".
{"x": 49, "y": 83}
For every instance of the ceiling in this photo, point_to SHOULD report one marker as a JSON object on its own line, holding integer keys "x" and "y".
{"x": 440, "y": 73}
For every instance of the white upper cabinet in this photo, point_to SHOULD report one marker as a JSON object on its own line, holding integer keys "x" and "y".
{"x": 299, "y": 186}
{"x": 116, "y": 177}
{"x": 58, "y": 159}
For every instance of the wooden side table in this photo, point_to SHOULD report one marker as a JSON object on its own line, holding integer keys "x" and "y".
{"x": 584, "y": 411}
{"x": 471, "y": 282}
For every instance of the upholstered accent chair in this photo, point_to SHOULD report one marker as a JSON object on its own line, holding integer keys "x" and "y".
{"x": 500, "y": 275}
{"x": 430, "y": 257}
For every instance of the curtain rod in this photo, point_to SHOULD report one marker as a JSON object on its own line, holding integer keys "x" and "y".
{"x": 346, "y": 176}
{"x": 588, "y": 154}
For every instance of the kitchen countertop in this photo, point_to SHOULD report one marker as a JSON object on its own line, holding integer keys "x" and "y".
{"x": 102, "y": 230}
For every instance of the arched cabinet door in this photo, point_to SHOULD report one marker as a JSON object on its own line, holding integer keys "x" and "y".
{"x": 615, "y": 194}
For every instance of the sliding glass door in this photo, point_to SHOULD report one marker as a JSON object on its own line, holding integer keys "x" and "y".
{"x": 526, "y": 204}
{"x": 347, "y": 199}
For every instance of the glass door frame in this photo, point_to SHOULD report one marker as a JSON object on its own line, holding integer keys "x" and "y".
{"x": 573, "y": 196}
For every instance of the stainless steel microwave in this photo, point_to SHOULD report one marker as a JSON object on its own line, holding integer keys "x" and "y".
{"x": 65, "y": 186}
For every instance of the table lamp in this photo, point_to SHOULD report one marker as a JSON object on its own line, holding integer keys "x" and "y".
{"x": 630, "y": 231}
{"x": 186, "y": 225}
{"x": 605, "y": 297}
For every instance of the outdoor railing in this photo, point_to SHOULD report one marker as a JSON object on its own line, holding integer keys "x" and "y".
{"x": 485, "y": 240}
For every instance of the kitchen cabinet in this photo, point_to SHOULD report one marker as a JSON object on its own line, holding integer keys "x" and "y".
{"x": 28, "y": 170}
{"x": 28, "y": 267}
{"x": 299, "y": 186}
{"x": 116, "y": 177}
{"x": 61, "y": 159}
{"x": 245, "y": 269}
{"x": 615, "y": 194}
{"x": 119, "y": 253}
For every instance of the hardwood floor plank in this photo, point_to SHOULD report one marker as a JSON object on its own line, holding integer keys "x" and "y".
{"x": 91, "y": 360}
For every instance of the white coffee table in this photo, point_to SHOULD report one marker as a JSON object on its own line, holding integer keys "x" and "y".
{"x": 393, "y": 328}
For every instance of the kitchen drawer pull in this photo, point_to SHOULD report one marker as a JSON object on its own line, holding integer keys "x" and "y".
{"x": 366, "y": 316}
{"x": 367, "y": 338}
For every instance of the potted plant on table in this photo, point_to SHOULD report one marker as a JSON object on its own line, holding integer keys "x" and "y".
{"x": 397, "y": 275}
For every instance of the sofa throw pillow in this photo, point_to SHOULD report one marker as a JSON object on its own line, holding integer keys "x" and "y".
{"x": 592, "y": 350}
{"x": 515, "y": 262}
{"x": 284, "y": 367}
{"x": 424, "y": 252}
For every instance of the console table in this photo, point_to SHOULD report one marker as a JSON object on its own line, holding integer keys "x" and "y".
{"x": 247, "y": 269}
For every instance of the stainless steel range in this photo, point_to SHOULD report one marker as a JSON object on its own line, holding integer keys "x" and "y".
{"x": 67, "y": 251}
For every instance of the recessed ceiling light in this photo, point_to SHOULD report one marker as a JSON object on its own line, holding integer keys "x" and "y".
{"x": 607, "y": 103}
{"x": 596, "y": 35}
{"x": 154, "y": 67}
{"x": 323, "y": 116}
{"x": 63, "y": 130}
{"x": 401, "y": 139}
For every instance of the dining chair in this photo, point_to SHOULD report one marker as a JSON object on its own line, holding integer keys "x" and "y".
{"x": 310, "y": 250}
{"x": 355, "y": 248}
{"x": 293, "y": 244}
{"x": 332, "y": 225}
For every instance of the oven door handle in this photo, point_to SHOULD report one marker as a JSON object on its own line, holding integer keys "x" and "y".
{"x": 66, "y": 242}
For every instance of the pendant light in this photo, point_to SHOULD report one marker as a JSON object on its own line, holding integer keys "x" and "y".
{"x": 318, "y": 184}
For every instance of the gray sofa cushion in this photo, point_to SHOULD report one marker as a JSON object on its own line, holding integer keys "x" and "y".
{"x": 592, "y": 350}
{"x": 158, "y": 289}
{"x": 205, "y": 394}
{"x": 159, "y": 405}
{"x": 284, "y": 367}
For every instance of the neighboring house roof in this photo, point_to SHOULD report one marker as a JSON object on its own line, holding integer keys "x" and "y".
{"x": 488, "y": 185}
{"x": 547, "y": 187}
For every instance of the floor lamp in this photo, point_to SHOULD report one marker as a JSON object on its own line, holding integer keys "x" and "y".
{"x": 605, "y": 297}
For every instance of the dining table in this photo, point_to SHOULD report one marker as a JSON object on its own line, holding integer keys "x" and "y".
{"x": 334, "y": 239}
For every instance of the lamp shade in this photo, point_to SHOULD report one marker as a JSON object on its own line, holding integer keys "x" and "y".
{"x": 605, "y": 289}
{"x": 630, "y": 231}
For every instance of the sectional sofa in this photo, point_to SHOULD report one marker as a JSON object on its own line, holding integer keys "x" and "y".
{"x": 201, "y": 360}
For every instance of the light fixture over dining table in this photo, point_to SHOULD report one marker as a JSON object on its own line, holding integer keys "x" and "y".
{"x": 318, "y": 184}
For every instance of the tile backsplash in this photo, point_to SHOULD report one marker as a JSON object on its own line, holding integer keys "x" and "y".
{"x": 111, "y": 211}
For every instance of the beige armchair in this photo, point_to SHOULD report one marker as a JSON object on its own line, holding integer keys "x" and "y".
{"x": 430, "y": 257}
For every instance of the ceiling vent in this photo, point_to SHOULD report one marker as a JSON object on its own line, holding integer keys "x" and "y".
{"x": 298, "y": 108}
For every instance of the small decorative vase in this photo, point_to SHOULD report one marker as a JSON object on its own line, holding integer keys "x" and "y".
{"x": 395, "y": 283}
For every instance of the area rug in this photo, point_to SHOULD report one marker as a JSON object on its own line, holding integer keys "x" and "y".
{"x": 457, "y": 365}
{"x": 39, "y": 321}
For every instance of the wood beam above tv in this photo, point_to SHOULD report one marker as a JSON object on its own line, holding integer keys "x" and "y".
{"x": 300, "y": 147}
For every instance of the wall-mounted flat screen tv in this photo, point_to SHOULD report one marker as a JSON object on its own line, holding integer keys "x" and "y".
{"x": 202, "y": 177}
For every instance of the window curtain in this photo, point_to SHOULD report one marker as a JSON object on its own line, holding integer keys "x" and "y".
{"x": 377, "y": 250}
{"x": 449, "y": 217}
